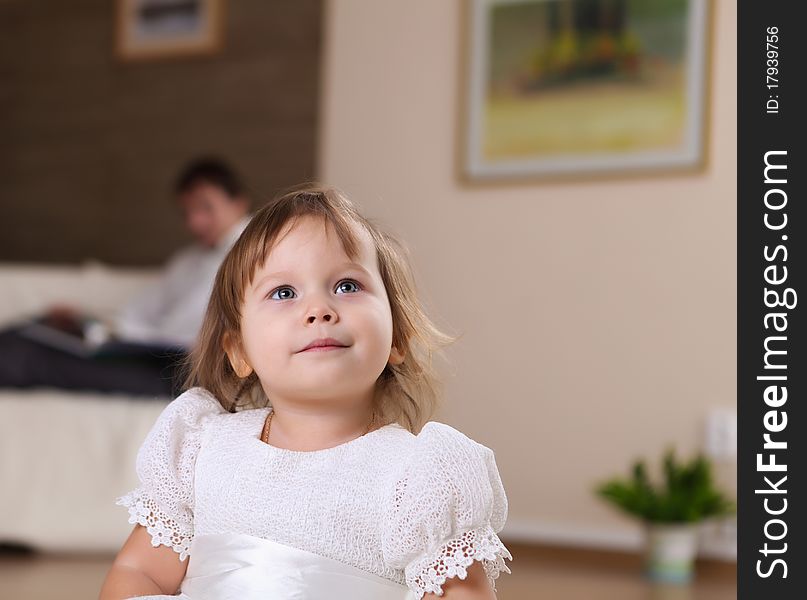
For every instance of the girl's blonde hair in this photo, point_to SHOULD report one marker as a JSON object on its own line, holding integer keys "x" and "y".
{"x": 406, "y": 393}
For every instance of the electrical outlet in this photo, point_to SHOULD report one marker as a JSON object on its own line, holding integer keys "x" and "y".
{"x": 721, "y": 433}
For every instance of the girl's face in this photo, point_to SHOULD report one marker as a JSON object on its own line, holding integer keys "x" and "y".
{"x": 308, "y": 290}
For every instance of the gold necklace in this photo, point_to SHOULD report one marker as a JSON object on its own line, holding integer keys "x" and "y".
{"x": 268, "y": 424}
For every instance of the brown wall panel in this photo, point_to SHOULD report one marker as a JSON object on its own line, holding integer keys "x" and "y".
{"x": 90, "y": 145}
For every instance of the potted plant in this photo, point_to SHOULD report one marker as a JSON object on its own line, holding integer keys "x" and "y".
{"x": 670, "y": 513}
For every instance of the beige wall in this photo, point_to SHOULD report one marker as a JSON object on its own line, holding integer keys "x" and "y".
{"x": 599, "y": 317}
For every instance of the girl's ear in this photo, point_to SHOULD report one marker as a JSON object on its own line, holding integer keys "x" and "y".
{"x": 236, "y": 356}
{"x": 395, "y": 356}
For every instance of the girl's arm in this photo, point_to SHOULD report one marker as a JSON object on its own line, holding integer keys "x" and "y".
{"x": 140, "y": 569}
{"x": 474, "y": 587}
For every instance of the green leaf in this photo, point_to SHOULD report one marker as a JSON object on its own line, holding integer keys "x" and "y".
{"x": 687, "y": 493}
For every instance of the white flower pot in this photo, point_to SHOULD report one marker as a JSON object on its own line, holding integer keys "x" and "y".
{"x": 670, "y": 550}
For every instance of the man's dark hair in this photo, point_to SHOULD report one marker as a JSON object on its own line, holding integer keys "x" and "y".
{"x": 209, "y": 170}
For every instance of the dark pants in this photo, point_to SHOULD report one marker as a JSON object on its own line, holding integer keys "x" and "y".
{"x": 25, "y": 363}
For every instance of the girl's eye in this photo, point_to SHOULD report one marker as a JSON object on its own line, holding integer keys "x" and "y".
{"x": 278, "y": 290}
{"x": 285, "y": 292}
{"x": 348, "y": 282}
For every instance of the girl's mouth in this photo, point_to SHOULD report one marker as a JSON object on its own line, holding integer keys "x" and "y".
{"x": 323, "y": 344}
{"x": 324, "y": 348}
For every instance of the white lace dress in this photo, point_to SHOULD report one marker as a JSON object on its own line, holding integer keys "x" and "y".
{"x": 388, "y": 515}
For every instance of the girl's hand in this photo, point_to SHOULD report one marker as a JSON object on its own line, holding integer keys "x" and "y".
{"x": 474, "y": 587}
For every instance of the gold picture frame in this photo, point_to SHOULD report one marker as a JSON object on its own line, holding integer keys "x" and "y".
{"x": 157, "y": 29}
{"x": 570, "y": 89}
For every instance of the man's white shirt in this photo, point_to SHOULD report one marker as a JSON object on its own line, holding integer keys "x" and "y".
{"x": 171, "y": 310}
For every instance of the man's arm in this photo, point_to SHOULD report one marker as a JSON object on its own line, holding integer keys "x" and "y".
{"x": 141, "y": 318}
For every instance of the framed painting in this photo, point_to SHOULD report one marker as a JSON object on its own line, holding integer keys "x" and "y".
{"x": 584, "y": 87}
{"x": 153, "y": 29}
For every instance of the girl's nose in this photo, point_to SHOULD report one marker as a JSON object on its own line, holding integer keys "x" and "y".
{"x": 322, "y": 313}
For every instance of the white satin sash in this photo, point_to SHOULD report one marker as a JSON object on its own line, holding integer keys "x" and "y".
{"x": 232, "y": 566}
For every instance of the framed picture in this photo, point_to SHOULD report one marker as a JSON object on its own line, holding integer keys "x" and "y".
{"x": 584, "y": 87}
{"x": 150, "y": 29}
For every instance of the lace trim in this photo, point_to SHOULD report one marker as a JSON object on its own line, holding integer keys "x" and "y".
{"x": 162, "y": 528}
{"x": 429, "y": 573}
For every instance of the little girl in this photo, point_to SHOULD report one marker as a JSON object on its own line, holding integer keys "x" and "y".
{"x": 290, "y": 468}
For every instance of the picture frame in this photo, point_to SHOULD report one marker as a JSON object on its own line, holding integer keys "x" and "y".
{"x": 572, "y": 88}
{"x": 157, "y": 29}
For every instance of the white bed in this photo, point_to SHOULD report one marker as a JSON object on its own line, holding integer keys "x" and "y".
{"x": 65, "y": 456}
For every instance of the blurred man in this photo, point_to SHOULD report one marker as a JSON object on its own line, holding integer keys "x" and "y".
{"x": 167, "y": 314}
{"x": 215, "y": 210}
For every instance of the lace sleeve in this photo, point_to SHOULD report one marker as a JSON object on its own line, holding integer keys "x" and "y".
{"x": 163, "y": 502}
{"x": 445, "y": 512}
